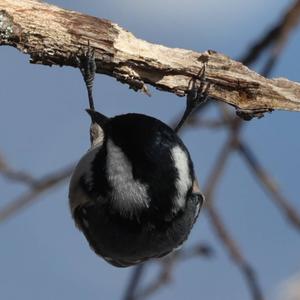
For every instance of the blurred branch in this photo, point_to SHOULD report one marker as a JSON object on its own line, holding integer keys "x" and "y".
{"x": 134, "y": 281}
{"x": 276, "y": 36}
{"x": 164, "y": 277}
{"x": 235, "y": 253}
{"x": 217, "y": 170}
{"x": 212, "y": 124}
{"x": 268, "y": 183}
{"x": 120, "y": 54}
{"x": 218, "y": 225}
{"x": 196, "y": 120}
{"x": 40, "y": 186}
{"x": 13, "y": 175}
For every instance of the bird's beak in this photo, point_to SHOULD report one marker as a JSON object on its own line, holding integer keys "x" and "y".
{"x": 97, "y": 117}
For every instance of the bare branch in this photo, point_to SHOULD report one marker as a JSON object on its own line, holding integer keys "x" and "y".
{"x": 217, "y": 170}
{"x": 235, "y": 253}
{"x": 218, "y": 225}
{"x": 208, "y": 123}
{"x": 163, "y": 278}
{"x": 14, "y": 175}
{"x": 134, "y": 281}
{"x": 277, "y": 35}
{"x": 167, "y": 264}
{"x": 268, "y": 183}
{"x": 44, "y": 184}
{"x": 133, "y": 61}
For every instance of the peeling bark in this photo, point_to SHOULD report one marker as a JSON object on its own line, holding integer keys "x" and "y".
{"x": 54, "y": 36}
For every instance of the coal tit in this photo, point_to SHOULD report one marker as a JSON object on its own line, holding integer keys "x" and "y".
{"x": 134, "y": 194}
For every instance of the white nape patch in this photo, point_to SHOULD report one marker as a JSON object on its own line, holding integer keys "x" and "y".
{"x": 97, "y": 135}
{"x": 77, "y": 196}
{"x": 184, "y": 181}
{"x": 128, "y": 195}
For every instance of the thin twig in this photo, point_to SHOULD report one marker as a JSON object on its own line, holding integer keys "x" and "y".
{"x": 235, "y": 253}
{"x": 268, "y": 183}
{"x": 134, "y": 282}
{"x": 44, "y": 184}
{"x": 217, "y": 170}
{"x": 203, "y": 250}
{"x": 19, "y": 176}
{"x": 208, "y": 123}
{"x": 277, "y": 34}
{"x": 218, "y": 225}
{"x": 167, "y": 264}
{"x": 163, "y": 278}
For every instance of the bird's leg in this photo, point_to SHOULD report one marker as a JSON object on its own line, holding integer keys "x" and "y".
{"x": 197, "y": 95}
{"x": 87, "y": 65}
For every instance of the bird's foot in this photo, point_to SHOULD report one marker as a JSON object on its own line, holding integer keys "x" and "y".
{"x": 196, "y": 96}
{"x": 87, "y": 65}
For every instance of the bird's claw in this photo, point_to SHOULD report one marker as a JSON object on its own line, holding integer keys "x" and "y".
{"x": 86, "y": 63}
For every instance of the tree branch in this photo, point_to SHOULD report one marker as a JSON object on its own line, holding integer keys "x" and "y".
{"x": 216, "y": 221}
{"x": 276, "y": 35}
{"x": 165, "y": 274}
{"x": 50, "y": 181}
{"x": 18, "y": 176}
{"x": 52, "y": 35}
{"x": 268, "y": 183}
{"x": 134, "y": 282}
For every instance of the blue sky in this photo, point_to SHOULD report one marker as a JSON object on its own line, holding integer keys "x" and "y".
{"x": 43, "y": 126}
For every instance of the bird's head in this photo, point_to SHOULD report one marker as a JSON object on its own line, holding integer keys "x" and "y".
{"x": 97, "y": 127}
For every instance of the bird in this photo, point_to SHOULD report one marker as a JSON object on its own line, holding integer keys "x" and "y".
{"x": 134, "y": 194}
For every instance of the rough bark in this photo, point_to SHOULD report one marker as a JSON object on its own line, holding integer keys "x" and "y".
{"x": 54, "y": 36}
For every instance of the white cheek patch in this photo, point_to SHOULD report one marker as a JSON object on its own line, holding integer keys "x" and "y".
{"x": 183, "y": 182}
{"x": 84, "y": 168}
{"x": 128, "y": 195}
